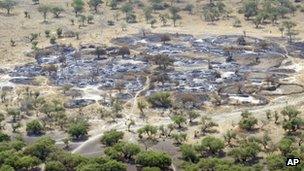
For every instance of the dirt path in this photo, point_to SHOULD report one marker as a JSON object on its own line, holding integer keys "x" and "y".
{"x": 258, "y": 111}
{"x": 118, "y": 126}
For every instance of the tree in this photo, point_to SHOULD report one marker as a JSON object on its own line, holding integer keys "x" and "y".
{"x": 149, "y": 130}
{"x": 179, "y": 138}
{"x": 250, "y": 8}
{"x": 275, "y": 162}
{"x": 113, "y": 4}
{"x": 127, "y": 8}
{"x": 174, "y": 15}
{"x": 192, "y": 115}
{"x": 41, "y": 148}
{"x": 78, "y": 6}
{"x": 123, "y": 150}
{"x": 35, "y": 2}
{"x": 57, "y": 11}
{"x": 248, "y": 121}
{"x": 6, "y": 168}
{"x": 290, "y": 32}
{"x": 4, "y": 137}
{"x": 189, "y": 8}
{"x": 286, "y": 146}
{"x": 258, "y": 20}
{"x": 34, "y": 128}
{"x": 8, "y": 5}
{"x": 164, "y": 18}
{"x": 141, "y": 105}
{"x": 44, "y": 10}
{"x": 78, "y": 129}
{"x": 189, "y": 153}
{"x": 229, "y": 136}
{"x": 111, "y": 137}
{"x": 160, "y": 100}
{"x": 178, "y": 120}
{"x": 14, "y": 112}
{"x": 211, "y": 145}
{"x": 94, "y": 4}
{"x": 207, "y": 124}
{"x": 27, "y": 162}
{"x": 153, "y": 159}
{"x": 54, "y": 166}
{"x": 290, "y": 112}
{"x": 247, "y": 150}
{"x": 148, "y": 13}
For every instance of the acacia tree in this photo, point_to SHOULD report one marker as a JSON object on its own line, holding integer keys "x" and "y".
{"x": 141, "y": 105}
{"x": 57, "y": 11}
{"x": 289, "y": 27}
{"x": 78, "y": 6}
{"x": 174, "y": 15}
{"x": 8, "y": 5}
{"x": 44, "y": 10}
{"x": 94, "y": 4}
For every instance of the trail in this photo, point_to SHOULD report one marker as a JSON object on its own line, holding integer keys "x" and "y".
{"x": 257, "y": 111}
{"x": 95, "y": 139}
{"x": 147, "y": 84}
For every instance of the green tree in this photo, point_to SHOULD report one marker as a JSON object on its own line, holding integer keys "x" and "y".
{"x": 189, "y": 153}
{"x": 247, "y": 150}
{"x": 248, "y": 121}
{"x": 57, "y": 11}
{"x": 207, "y": 124}
{"x": 54, "y": 166}
{"x": 192, "y": 115}
{"x": 78, "y": 6}
{"x": 113, "y": 4}
{"x": 160, "y": 99}
{"x": 275, "y": 162}
{"x": 148, "y": 13}
{"x": 4, "y": 137}
{"x": 44, "y": 10}
{"x": 112, "y": 137}
{"x": 94, "y": 4}
{"x": 174, "y": 15}
{"x": 127, "y": 8}
{"x": 290, "y": 32}
{"x": 179, "y": 120}
{"x": 141, "y": 105}
{"x": 14, "y": 112}
{"x": 286, "y": 146}
{"x": 8, "y": 5}
{"x": 149, "y": 130}
{"x": 6, "y": 168}
{"x": 35, "y": 2}
{"x": 211, "y": 145}
{"x": 41, "y": 149}
{"x": 179, "y": 138}
{"x": 78, "y": 129}
{"x": 27, "y": 162}
{"x": 250, "y": 8}
{"x": 229, "y": 136}
{"x": 34, "y": 128}
{"x": 153, "y": 159}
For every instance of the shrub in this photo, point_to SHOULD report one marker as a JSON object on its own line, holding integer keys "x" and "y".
{"x": 112, "y": 137}
{"x": 34, "y": 128}
{"x": 160, "y": 99}
{"x": 153, "y": 159}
